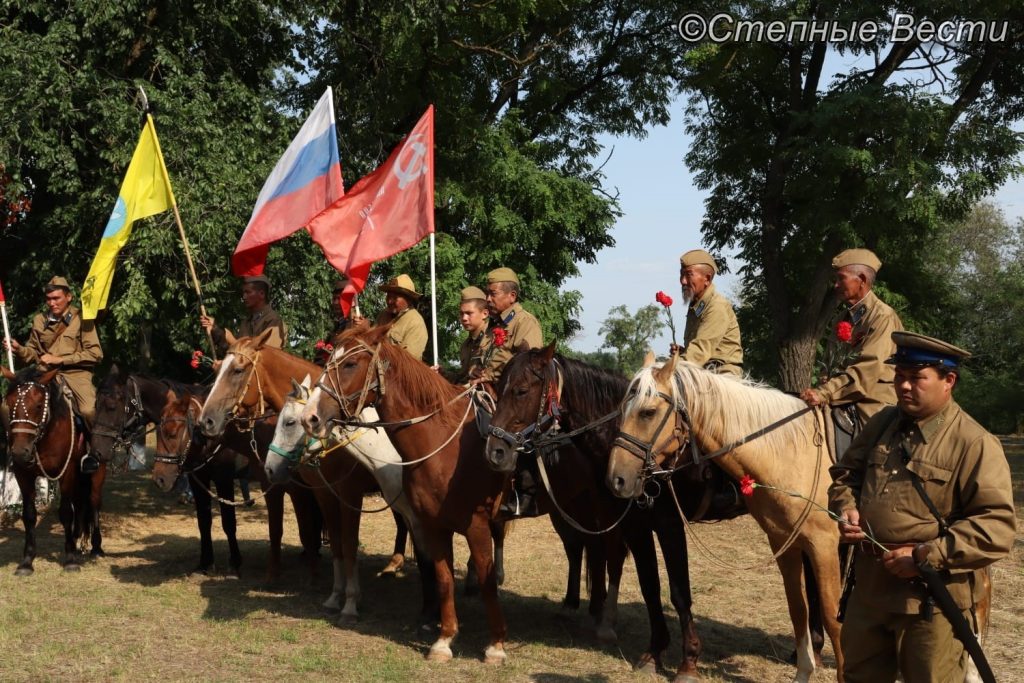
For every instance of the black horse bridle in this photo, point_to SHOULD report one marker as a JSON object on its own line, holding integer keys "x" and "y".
{"x": 132, "y": 424}
{"x": 548, "y": 413}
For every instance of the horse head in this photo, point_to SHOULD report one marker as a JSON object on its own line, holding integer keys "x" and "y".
{"x": 237, "y": 391}
{"x": 114, "y": 413}
{"x": 350, "y": 382}
{"x": 649, "y": 435}
{"x": 527, "y": 403}
{"x": 289, "y": 443}
{"x": 27, "y": 412}
{"x": 174, "y": 438}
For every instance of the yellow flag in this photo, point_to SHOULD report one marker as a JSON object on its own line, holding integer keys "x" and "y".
{"x": 146, "y": 191}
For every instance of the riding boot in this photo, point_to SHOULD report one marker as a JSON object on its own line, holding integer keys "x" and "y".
{"x": 523, "y": 502}
{"x": 90, "y": 463}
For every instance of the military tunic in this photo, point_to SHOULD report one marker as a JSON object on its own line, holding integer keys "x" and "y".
{"x": 964, "y": 472}
{"x": 712, "y": 333}
{"x": 255, "y": 324}
{"x": 79, "y": 346}
{"x": 408, "y": 331}
{"x": 472, "y": 354}
{"x": 520, "y": 326}
{"x": 866, "y": 380}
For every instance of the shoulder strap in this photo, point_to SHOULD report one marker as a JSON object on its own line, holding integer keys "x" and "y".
{"x": 919, "y": 487}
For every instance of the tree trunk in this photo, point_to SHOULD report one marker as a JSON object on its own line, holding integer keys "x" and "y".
{"x": 796, "y": 362}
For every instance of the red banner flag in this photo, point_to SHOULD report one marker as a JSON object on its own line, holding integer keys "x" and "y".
{"x": 384, "y": 213}
{"x": 2, "y": 299}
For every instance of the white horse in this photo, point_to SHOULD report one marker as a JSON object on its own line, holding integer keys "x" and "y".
{"x": 332, "y": 477}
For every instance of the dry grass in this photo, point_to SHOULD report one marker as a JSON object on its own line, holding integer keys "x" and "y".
{"x": 136, "y": 616}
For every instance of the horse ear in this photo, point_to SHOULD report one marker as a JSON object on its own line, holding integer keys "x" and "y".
{"x": 649, "y": 358}
{"x": 47, "y": 377}
{"x": 8, "y": 375}
{"x": 377, "y": 334}
{"x": 665, "y": 372}
{"x": 114, "y": 370}
{"x": 307, "y": 381}
{"x": 523, "y": 347}
{"x": 549, "y": 351}
{"x": 262, "y": 338}
{"x": 297, "y": 388}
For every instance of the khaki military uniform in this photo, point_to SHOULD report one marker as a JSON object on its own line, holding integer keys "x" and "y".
{"x": 866, "y": 379}
{"x": 79, "y": 346}
{"x": 408, "y": 331}
{"x": 472, "y": 354}
{"x": 520, "y": 326}
{"x": 965, "y": 473}
{"x": 712, "y": 333}
{"x": 254, "y": 325}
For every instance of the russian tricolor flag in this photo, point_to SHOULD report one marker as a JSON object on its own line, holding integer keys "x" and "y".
{"x": 304, "y": 182}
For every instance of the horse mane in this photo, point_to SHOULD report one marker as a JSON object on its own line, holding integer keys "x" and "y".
{"x": 725, "y": 407}
{"x": 594, "y": 392}
{"x": 421, "y": 389}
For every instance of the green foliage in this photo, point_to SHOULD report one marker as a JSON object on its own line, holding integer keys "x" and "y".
{"x": 628, "y": 335}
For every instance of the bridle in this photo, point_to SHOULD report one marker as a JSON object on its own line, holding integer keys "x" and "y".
{"x": 374, "y": 381}
{"x": 132, "y": 424}
{"x": 548, "y": 412}
{"x": 181, "y": 451}
{"x": 250, "y": 419}
{"x": 36, "y": 429}
{"x": 647, "y": 451}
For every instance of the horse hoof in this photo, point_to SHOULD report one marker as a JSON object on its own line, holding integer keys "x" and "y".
{"x": 439, "y": 652}
{"x": 97, "y": 552}
{"x": 494, "y": 655}
{"x": 347, "y": 619}
{"x": 72, "y": 567}
{"x": 570, "y": 605}
{"x": 393, "y": 567}
{"x": 500, "y": 577}
{"x": 606, "y": 634}
{"x": 233, "y": 574}
{"x": 688, "y": 677}
{"x": 647, "y": 664}
{"x": 24, "y": 571}
{"x": 199, "y": 572}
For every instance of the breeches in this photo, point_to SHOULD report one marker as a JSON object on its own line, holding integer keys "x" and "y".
{"x": 878, "y": 645}
{"x": 83, "y": 394}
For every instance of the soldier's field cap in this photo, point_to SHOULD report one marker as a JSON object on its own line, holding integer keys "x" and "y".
{"x": 857, "y": 257}
{"x": 696, "y": 257}
{"x": 918, "y": 351}
{"x": 252, "y": 279}
{"x": 339, "y": 286}
{"x": 56, "y": 282}
{"x": 502, "y": 275}
{"x": 403, "y": 285}
{"x": 473, "y": 294}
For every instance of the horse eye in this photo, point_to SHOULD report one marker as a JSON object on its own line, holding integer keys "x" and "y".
{"x": 522, "y": 391}
{"x": 349, "y": 364}
{"x": 648, "y": 413}
{"x": 290, "y": 422}
{"x": 238, "y": 370}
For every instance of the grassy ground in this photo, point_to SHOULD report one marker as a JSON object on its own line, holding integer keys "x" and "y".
{"x": 136, "y": 615}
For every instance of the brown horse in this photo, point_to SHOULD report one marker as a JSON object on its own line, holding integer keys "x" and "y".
{"x": 446, "y": 480}
{"x": 43, "y": 441}
{"x": 680, "y": 405}
{"x": 211, "y": 464}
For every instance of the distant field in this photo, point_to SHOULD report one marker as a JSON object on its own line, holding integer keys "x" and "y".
{"x": 135, "y": 615}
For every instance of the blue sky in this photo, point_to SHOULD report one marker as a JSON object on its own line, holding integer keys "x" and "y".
{"x": 662, "y": 211}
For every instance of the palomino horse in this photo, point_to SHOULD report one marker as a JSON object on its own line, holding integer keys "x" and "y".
{"x": 181, "y": 449}
{"x": 337, "y": 475}
{"x": 531, "y": 401}
{"x": 447, "y": 481}
{"x": 43, "y": 441}
{"x": 680, "y": 404}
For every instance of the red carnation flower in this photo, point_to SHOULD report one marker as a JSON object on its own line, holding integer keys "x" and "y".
{"x": 747, "y": 485}
{"x": 329, "y": 348}
{"x": 320, "y": 345}
{"x": 844, "y": 331}
{"x": 663, "y": 299}
{"x": 500, "y": 336}
{"x": 195, "y": 363}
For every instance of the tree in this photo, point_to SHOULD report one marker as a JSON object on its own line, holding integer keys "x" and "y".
{"x": 629, "y": 335}
{"x": 799, "y": 166}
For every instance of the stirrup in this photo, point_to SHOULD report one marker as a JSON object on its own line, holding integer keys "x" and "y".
{"x": 89, "y": 464}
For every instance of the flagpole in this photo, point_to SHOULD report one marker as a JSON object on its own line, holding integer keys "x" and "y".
{"x": 177, "y": 219}
{"x": 433, "y": 297}
{"x": 7, "y": 336}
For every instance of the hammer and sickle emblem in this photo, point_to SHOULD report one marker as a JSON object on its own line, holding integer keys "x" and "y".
{"x": 416, "y": 166}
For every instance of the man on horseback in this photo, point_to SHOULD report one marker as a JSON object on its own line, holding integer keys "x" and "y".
{"x": 341, "y": 323}
{"x": 474, "y": 320}
{"x": 862, "y": 385}
{"x": 61, "y": 339}
{"x": 511, "y": 325}
{"x": 920, "y": 475}
{"x": 408, "y": 328}
{"x": 256, "y": 298}
{"x": 712, "y": 335}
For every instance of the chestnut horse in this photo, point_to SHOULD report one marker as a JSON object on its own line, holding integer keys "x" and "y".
{"x": 43, "y": 442}
{"x": 446, "y": 480}
{"x": 679, "y": 405}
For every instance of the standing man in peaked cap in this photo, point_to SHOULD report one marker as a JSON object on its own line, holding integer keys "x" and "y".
{"x": 922, "y": 473}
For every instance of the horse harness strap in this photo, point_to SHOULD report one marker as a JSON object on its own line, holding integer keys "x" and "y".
{"x": 753, "y": 435}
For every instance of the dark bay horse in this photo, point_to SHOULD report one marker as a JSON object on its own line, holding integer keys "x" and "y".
{"x": 448, "y": 483}
{"x": 527, "y": 404}
{"x": 677, "y": 407}
{"x": 538, "y": 384}
{"x": 43, "y": 441}
{"x": 211, "y": 464}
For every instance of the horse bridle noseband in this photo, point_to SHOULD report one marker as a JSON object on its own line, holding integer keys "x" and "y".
{"x": 648, "y": 451}
{"x": 548, "y": 413}
{"x": 38, "y": 428}
{"x": 181, "y": 452}
{"x": 374, "y": 381}
{"x": 131, "y": 420}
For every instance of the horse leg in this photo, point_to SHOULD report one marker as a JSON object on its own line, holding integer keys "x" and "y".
{"x": 479, "y": 537}
{"x": 615, "y": 554}
{"x": 331, "y": 511}
{"x": 597, "y": 565}
{"x": 641, "y": 543}
{"x": 398, "y": 555}
{"x": 430, "y": 614}
{"x": 68, "y": 513}
{"x": 813, "y": 612}
{"x": 275, "y": 523}
{"x": 310, "y": 523}
{"x": 499, "y": 528}
{"x": 350, "y": 518}
{"x": 672, "y": 539}
{"x": 204, "y": 520}
{"x": 29, "y": 516}
{"x": 825, "y": 566}
{"x": 96, "y": 482}
{"x": 225, "y": 483}
{"x": 440, "y": 544}
{"x": 572, "y": 543}
{"x": 792, "y": 567}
